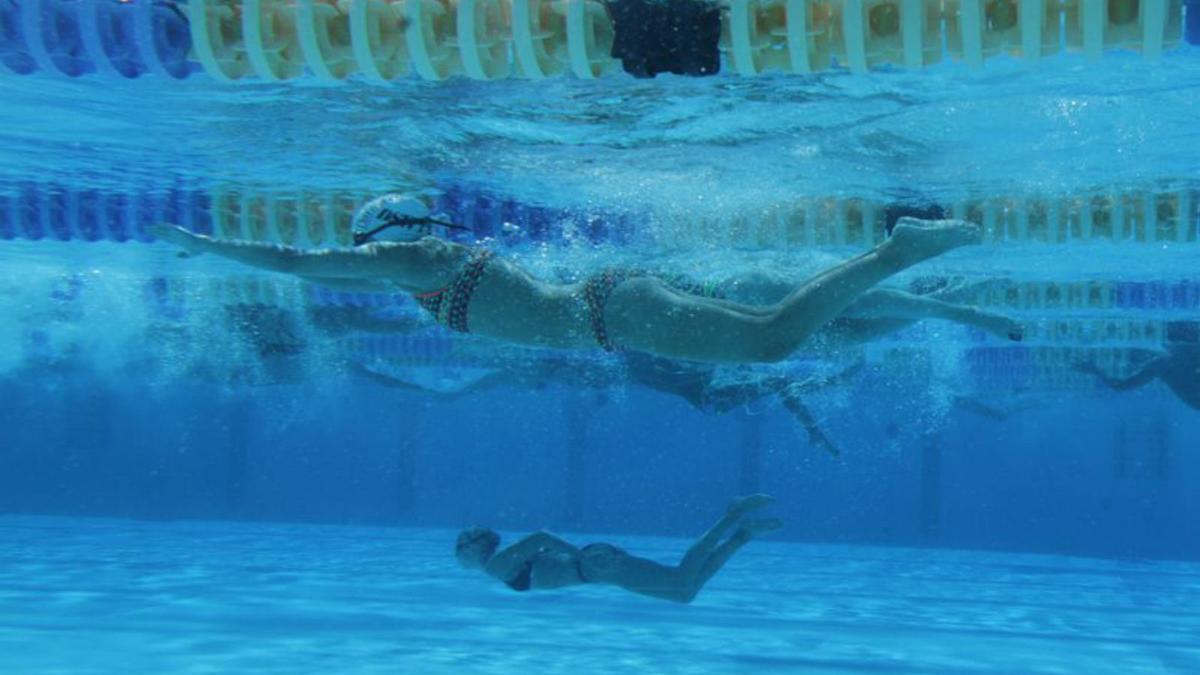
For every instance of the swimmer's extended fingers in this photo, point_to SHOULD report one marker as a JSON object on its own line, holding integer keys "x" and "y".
{"x": 747, "y": 503}
{"x": 188, "y": 241}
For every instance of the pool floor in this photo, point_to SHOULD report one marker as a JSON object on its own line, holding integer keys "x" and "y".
{"x": 100, "y": 596}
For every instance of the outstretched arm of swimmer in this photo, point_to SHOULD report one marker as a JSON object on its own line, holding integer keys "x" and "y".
{"x": 406, "y": 264}
{"x": 506, "y": 563}
{"x": 1146, "y": 374}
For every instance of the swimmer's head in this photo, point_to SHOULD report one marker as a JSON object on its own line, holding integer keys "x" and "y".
{"x": 395, "y": 217}
{"x": 475, "y": 546}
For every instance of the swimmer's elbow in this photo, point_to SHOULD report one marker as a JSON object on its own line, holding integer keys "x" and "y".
{"x": 685, "y": 597}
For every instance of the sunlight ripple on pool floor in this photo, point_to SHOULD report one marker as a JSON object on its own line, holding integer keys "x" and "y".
{"x": 98, "y": 595}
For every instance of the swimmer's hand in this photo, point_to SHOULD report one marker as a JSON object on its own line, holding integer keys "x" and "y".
{"x": 818, "y": 438}
{"x": 191, "y": 243}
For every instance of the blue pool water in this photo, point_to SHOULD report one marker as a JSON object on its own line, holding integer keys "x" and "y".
{"x": 199, "y": 474}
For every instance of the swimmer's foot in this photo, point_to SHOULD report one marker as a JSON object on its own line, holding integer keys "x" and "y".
{"x": 754, "y": 528}
{"x": 960, "y": 290}
{"x": 917, "y": 240}
{"x": 745, "y": 504}
{"x": 999, "y": 325}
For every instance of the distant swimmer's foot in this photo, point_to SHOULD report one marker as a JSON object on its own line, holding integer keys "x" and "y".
{"x": 748, "y": 503}
{"x": 961, "y": 291}
{"x": 917, "y": 240}
{"x": 755, "y": 528}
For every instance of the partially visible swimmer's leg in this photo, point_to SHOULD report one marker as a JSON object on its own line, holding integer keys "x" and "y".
{"x": 887, "y": 304}
{"x": 642, "y": 314}
{"x": 748, "y": 530}
{"x": 696, "y": 556}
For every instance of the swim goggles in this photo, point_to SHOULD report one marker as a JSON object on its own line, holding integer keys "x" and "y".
{"x": 390, "y": 219}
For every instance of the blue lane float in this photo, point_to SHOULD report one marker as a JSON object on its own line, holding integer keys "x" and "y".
{"x": 14, "y": 52}
{"x": 51, "y": 29}
{"x": 106, "y": 37}
{"x": 108, "y": 33}
{"x": 52, "y": 212}
{"x": 320, "y": 218}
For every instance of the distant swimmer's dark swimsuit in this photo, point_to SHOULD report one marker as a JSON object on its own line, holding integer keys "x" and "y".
{"x": 594, "y": 549}
{"x": 449, "y": 305}
{"x": 523, "y": 579}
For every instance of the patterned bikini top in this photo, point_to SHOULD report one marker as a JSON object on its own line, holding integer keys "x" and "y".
{"x": 449, "y": 305}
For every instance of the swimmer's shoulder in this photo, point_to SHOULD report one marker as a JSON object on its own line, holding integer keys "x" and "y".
{"x": 417, "y": 266}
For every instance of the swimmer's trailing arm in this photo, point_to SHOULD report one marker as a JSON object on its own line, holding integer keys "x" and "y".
{"x": 790, "y": 395}
{"x": 805, "y": 417}
{"x": 392, "y": 261}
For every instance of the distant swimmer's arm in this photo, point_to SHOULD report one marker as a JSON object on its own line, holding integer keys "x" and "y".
{"x": 804, "y": 416}
{"x": 402, "y": 263}
{"x": 1144, "y": 375}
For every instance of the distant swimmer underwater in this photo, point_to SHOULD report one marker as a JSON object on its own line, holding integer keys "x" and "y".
{"x": 471, "y": 289}
{"x": 1178, "y": 368}
{"x": 542, "y": 561}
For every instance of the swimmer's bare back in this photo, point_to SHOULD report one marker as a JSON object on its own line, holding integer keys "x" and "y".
{"x": 638, "y": 312}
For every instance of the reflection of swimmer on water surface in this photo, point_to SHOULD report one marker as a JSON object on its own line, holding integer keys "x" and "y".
{"x": 470, "y": 289}
{"x": 543, "y": 561}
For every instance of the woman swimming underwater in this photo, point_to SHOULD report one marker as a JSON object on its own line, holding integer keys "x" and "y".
{"x": 542, "y": 561}
{"x": 470, "y": 289}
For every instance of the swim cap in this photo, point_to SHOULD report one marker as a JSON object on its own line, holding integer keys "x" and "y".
{"x": 406, "y": 214}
